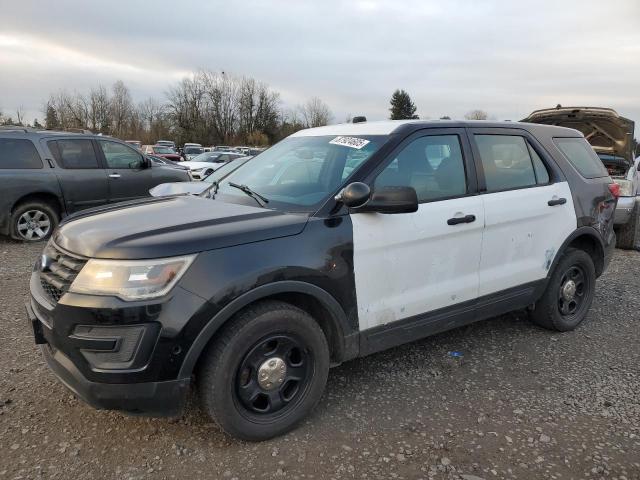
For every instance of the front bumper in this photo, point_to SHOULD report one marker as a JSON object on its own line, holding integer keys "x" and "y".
{"x": 115, "y": 354}
{"x": 624, "y": 210}
{"x": 165, "y": 398}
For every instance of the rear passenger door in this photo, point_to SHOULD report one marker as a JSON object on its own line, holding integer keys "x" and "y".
{"x": 128, "y": 177}
{"x": 409, "y": 264}
{"x": 83, "y": 181}
{"x": 528, "y": 209}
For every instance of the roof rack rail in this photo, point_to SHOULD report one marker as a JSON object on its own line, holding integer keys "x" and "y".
{"x": 16, "y": 128}
{"x": 79, "y": 130}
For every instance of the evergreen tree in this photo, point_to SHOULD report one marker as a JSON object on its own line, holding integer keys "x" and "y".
{"x": 401, "y": 106}
{"x": 51, "y": 121}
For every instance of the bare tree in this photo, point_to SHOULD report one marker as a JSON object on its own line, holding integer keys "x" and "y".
{"x": 20, "y": 114}
{"x": 476, "y": 115}
{"x": 121, "y": 109}
{"x": 99, "y": 110}
{"x": 315, "y": 113}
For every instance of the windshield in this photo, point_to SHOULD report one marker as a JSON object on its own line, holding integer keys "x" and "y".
{"x": 193, "y": 150}
{"x": 206, "y": 157}
{"x": 299, "y": 173}
{"x": 165, "y": 150}
{"x": 225, "y": 170}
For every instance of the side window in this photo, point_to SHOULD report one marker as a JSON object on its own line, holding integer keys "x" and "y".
{"x": 506, "y": 162}
{"x": 542, "y": 174}
{"x": 118, "y": 155}
{"x": 18, "y": 153}
{"x": 582, "y": 157}
{"x": 432, "y": 165}
{"x": 74, "y": 153}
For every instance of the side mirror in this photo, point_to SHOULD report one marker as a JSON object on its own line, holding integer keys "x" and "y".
{"x": 354, "y": 195}
{"x": 146, "y": 163}
{"x": 392, "y": 200}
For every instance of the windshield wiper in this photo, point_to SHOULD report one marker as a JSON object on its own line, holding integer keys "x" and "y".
{"x": 255, "y": 195}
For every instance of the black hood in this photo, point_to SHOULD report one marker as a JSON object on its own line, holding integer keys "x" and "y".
{"x": 170, "y": 226}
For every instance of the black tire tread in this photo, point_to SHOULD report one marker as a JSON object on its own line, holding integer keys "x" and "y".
{"x": 545, "y": 313}
{"x": 209, "y": 368}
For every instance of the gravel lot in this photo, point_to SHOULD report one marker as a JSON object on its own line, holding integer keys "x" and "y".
{"x": 523, "y": 403}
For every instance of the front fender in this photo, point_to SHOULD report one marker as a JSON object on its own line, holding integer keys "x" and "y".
{"x": 347, "y": 340}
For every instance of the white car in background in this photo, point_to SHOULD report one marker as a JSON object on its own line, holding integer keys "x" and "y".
{"x": 208, "y": 162}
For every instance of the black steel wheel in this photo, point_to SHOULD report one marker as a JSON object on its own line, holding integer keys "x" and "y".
{"x": 265, "y": 371}
{"x": 273, "y": 374}
{"x": 569, "y": 293}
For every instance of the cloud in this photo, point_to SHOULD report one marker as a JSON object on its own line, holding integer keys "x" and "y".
{"x": 505, "y": 57}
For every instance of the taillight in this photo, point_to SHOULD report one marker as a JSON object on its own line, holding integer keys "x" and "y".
{"x": 614, "y": 188}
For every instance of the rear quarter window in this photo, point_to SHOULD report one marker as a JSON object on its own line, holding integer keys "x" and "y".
{"x": 582, "y": 156}
{"x": 18, "y": 153}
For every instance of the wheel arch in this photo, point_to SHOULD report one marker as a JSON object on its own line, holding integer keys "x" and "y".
{"x": 50, "y": 198}
{"x": 324, "y": 308}
{"x": 587, "y": 239}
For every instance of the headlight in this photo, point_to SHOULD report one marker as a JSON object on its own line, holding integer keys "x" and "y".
{"x": 131, "y": 279}
{"x": 626, "y": 187}
{"x": 197, "y": 170}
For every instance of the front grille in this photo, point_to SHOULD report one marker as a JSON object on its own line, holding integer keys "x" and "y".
{"x": 60, "y": 269}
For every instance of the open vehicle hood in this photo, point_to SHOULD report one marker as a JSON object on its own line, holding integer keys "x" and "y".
{"x": 171, "y": 226}
{"x": 604, "y": 129}
{"x": 179, "y": 188}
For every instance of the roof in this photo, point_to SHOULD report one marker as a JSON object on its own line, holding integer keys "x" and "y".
{"x": 387, "y": 127}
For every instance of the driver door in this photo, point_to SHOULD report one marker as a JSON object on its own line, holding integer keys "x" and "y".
{"x": 126, "y": 172}
{"x": 408, "y": 266}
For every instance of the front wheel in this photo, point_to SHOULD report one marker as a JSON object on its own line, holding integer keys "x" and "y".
{"x": 569, "y": 293}
{"x": 265, "y": 371}
{"x": 33, "y": 221}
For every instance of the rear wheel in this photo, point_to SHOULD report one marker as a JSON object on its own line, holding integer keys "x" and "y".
{"x": 569, "y": 294}
{"x": 265, "y": 371}
{"x": 33, "y": 221}
{"x": 628, "y": 235}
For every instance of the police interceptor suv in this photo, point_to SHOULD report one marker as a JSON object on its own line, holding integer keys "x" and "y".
{"x": 337, "y": 242}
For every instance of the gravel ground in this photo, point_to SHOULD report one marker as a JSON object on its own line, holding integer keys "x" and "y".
{"x": 522, "y": 403}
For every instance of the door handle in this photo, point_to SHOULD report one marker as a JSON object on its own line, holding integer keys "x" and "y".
{"x": 114, "y": 175}
{"x": 556, "y": 201}
{"x": 458, "y": 220}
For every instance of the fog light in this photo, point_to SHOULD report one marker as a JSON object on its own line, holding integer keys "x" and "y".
{"x": 115, "y": 347}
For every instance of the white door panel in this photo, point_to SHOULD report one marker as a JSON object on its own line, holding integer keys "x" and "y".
{"x": 412, "y": 263}
{"x": 522, "y": 235}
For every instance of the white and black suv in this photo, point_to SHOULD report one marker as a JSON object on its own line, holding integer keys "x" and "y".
{"x": 335, "y": 243}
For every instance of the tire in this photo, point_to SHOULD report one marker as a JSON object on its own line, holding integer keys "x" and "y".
{"x": 207, "y": 173}
{"x": 33, "y": 221}
{"x": 554, "y": 309}
{"x": 241, "y": 381}
{"x": 628, "y": 235}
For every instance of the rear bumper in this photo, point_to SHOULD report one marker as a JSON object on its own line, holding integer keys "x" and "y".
{"x": 623, "y": 210}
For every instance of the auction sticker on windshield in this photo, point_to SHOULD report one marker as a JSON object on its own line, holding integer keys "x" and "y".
{"x": 351, "y": 142}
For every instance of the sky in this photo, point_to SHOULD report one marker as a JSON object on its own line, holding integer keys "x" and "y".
{"x": 505, "y": 57}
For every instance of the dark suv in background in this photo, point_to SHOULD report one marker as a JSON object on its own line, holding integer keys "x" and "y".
{"x": 46, "y": 175}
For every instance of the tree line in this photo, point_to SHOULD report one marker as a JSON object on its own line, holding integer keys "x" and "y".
{"x": 208, "y": 107}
